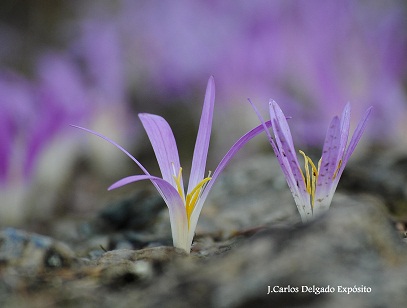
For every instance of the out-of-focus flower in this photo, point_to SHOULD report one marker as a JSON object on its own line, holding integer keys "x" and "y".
{"x": 15, "y": 111}
{"x": 184, "y": 208}
{"x": 313, "y": 191}
{"x": 100, "y": 50}
{"x": 59, "y": 97}
{"x": 32, "y": 114}
{"x": 263, "y": 48}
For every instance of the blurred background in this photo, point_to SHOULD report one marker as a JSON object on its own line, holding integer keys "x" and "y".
{"x": 99, "y": 63}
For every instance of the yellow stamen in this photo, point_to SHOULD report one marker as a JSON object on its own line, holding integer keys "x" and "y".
{"x": 178, "y": 182}
{"x": 310, "y": 180}
{"x": 191, "y": 198}
{"x": 307, "y": 178}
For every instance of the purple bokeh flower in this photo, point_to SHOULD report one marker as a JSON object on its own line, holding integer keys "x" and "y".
{"x": 313, "y": 191}
{"x": 99, "y": 49}
{"x": 314, "y": 55}
{"x": 184, "y": 208}
{"x": 16, "y": 109}
{"x": 59, "y": 98}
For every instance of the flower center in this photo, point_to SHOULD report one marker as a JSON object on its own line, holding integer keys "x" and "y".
{"x": 191, "y": 198}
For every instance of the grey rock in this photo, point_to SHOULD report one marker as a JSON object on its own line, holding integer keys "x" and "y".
{"x": 123, "y": 266}
{"x": 354, "y": 244}
{"x": 32, "y": 252}
{"x": 26, "y": 260}
{"x": 248, "y": 195}
{"x": 383, "y": 175}
{"x": 136, "y": 212}
{"x": 249, "y": 237}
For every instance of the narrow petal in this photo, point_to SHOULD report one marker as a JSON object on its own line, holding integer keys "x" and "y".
{"x": 178, "y": 217}
{"x": 328, "y": 186}
{"x": 273, "y": 144}
{"x": 169, "y": 193}
{"x": 203, "y": 138}
{"x": 292, "y": 172}
{"x": 288, "y": 157}
{"x": 345, "y": 126}
{"x": 328, "y": 166}
{"x": 356, "y": 137}
{"x": 289, "y": 164}
{"x": 285, "y": 166}
{"x": 277, "y": 114}
{"x": 164, "y": 145}
{"x": 330, "y": 152}
{"x": 116, "y": 145}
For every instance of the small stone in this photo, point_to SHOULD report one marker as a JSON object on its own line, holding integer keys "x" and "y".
{"x": 33, "y": 252}
{"x": 136, "y": 212}
{"x": 124, "y": 266}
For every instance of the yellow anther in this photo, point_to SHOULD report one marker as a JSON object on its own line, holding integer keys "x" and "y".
{"x": 310, "y": 179}
{"x": 307, "y": 175}
{"x": 178, "y": 183}
{"x": 193, "y": 196}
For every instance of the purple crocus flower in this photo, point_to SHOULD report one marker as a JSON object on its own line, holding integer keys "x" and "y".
{"x": 313, "y": 191}
{"x": 184, "y": 208}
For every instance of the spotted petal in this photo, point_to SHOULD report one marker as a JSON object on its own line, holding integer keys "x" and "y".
{"x": 345, "y": 126}
{"x": 329, "y": 167}
{"x": 330, "y": 153}
{"x": 288, "y": 159}
{"x": 287, "y": 155}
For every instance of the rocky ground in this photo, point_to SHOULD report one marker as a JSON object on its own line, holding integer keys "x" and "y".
{"x": 250, "y": 249}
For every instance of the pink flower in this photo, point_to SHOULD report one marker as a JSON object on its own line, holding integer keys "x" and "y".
{"x": 313, "y": 191}
{"x": 184, "y": 207}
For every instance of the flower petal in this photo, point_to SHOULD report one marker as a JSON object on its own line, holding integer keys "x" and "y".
{"x": 292, "y": 172}
{"x": 203, "y": 138}
{"x": 277, "y": 114}
{"x": 288, "y": 157}
{"x": 115, "y": 144}
{"x": 355, "y": 138}
{"x": 176, "y": 207}
{"x": 273, "y": 144}
{"x": 164, "y": 145}
{"x": 345, "y": 125}
{"x": 329, "y": 165}
{"x": 284, "y": 150}
{"x": 280, "y": 157}
{"x": 330, "y": 152}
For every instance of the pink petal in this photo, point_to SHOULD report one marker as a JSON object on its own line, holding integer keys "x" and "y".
{"x": 345, "y": 125}
{"x": 203, "y": 138}
{"x": 164, "y": 145}
{"x": 276, "y": 114}
{"x": 287, "y": 155}
{"x": 331, "y": 150}
{"x": 356, "y": 138}
{"x": 291, "y": 170}
{"x": 329, "y": 160}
